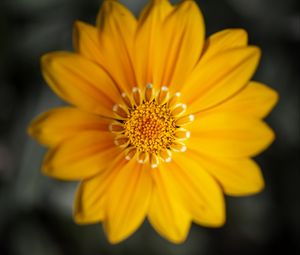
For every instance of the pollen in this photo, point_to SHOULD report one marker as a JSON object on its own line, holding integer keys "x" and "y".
{"x": 150, "y": 125}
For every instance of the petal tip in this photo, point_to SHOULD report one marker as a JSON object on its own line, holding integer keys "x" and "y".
{"x": 256, "y": 51}
{"x": 275, "y": 97}
{"x": 259, "y": 186}
{"x": 48, "y": 60}
{"x": 253, "y": 51}
{"x": 179, "y": 240}
{"x": 112, "y": 237}
{"x": 241, "y": 34}
{"x": 31, "y": 130}
{"x": 219, "y": 220}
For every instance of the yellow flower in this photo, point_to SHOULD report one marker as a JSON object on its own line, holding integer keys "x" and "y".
{"x": 162, "y": 123}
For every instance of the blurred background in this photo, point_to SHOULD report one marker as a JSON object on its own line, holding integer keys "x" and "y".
{"x": 36, "y": 211}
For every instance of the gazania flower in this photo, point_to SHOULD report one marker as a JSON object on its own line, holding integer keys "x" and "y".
{"x": 162, "y": 122}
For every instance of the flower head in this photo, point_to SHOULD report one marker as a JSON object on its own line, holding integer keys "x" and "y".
{"x": 162, "y": 122}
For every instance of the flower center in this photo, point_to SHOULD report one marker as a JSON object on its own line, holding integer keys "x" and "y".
{"x": 150, "y": 125}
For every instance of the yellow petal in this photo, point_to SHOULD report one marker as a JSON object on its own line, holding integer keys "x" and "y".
{"x": 92, "y": 194}
{"x": 202, "y": 194}
{"x": 214, "y": 81}
{"x": 255, "y": 100}
{"x": 117, "y": 26}
{"x": 229, "y": 135}
{"x": 224, "y": 40}
{"x": 86, "y": 42}
{"x": 81, "y": 156}
{"x": 167, "y": 212}
{"x": 54, "y": 126}
{"x": 238, "y": 176}
{"x": 148, "y": 50}
{"x": 127, "y": 201}
{"x": 80, "y": 82}
{"x": 183, "y": 38}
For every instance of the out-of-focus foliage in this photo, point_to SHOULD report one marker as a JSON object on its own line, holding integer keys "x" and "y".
{"x": 36, "y": 212}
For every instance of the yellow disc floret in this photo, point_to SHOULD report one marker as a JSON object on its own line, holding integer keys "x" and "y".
{"x": 150, "y": 127}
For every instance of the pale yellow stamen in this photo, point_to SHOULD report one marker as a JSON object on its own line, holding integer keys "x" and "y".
{"x": 163, "y": 95}
{"x": 136, "y": 95}
{"x": 178, "y": 110}
{"x": 178, "y": 147}
{"x": 126, "y": 100}
{"x": 120, "y": 111}
{"x": 174, "y": 100}
{"x": 121, "y": 140}
{"x": 142, "y": 157}
{"x": 166, "y": 155}
{"x": 116, "y": 127}
{"x": 185, "y": 120}
{"x": 182, "y": 134}
{"x": 149, "y": 92}
{"x": 130, "y": 153}
{"x": 154, "y": 161}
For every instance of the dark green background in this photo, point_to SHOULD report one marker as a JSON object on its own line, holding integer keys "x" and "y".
{"x": 35, "y": 211}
